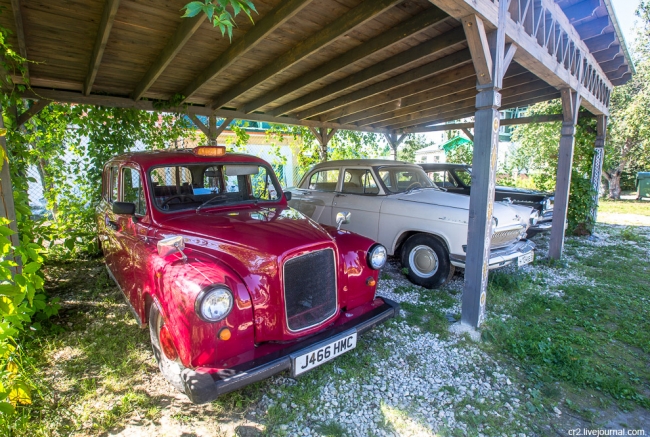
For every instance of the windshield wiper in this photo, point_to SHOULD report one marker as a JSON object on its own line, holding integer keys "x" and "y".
{"x": 211, "y": 199}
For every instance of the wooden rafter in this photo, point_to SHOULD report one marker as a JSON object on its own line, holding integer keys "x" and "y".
{"x": 271, "y": 21}
{"x": 198, "y": 123}
{"x": 32, "y": 111}
{"x": 382, "y": 41}
{"x": 356, "y": 16}
{"x": 20, "y": 32}
{"x": 183, "y": 33}
{"x": 105, "y": 26}
{"x": 479, "y": 48}
{"x": 427, "y": 48}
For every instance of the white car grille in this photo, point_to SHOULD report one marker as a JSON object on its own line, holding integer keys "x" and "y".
{"x": 504, "y": 238}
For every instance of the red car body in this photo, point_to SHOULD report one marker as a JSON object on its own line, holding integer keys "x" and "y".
{"x": 244, "y": 246}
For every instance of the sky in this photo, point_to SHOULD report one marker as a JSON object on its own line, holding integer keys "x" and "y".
{"x": 624, "y": 10}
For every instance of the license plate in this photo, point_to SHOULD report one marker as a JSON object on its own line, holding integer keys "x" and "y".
{"x": 323, "y": 354}
{"x": 525, "y": 259}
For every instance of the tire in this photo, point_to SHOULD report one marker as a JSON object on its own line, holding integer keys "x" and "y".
{"x": 427, "y": 260}
{"x": 171, "y": 370}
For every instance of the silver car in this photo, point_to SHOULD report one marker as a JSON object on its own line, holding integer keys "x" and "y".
{"x": 396, "y": 204}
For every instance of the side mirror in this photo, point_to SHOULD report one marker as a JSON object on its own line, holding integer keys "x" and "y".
{"x": 123, "y": 208}
{"x": 342, "y": 218}
{"x": 170, "y": 245}
{"x": 287, "y": 195}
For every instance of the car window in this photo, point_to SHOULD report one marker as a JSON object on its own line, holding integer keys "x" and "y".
{"x": 442, "y": 179}
{"x": 324, "y": 180}
{"x": 115, "y": 174}
{"x": 198, "y": 185}
{"x": 465, "y": 176}
{"x": 132, "y": 191}
{"x": 398, "y": 179}
{"x": 359, "y": 181}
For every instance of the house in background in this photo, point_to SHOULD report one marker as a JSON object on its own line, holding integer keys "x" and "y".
{"x": 436, "y": 152}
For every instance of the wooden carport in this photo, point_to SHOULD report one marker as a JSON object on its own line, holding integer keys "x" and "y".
{"x": 386, "y": 66}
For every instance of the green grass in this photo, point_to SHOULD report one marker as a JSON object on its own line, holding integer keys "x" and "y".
{"x": 592, "y": 339}
{"x": 641, "y": 207}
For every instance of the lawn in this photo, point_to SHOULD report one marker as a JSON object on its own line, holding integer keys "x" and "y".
{"x": 565, "y": 345}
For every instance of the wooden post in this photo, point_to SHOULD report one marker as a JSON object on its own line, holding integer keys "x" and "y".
{"x": 490, "y": 63}
{"x": 212, "y": 130}
{"x": 323, "y": 136}
{"x": 7, "y": 208}
{"x": 570, "y": 107}
{"x": 597, "y": 164}
{"x": 394, "y": 141}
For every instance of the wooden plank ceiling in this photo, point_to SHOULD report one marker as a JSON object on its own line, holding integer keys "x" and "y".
{"x": 375, "y": 65}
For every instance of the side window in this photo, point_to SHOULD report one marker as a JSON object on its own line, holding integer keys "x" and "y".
{"x": 262, "y": 186}
{"x": 132, "y": 190}
{"x": 442, "y": 179}
{"x": 385, "y": 177}
{"x": 324, "y": 180}
{"x": 359, "y": 181}
{"x": 115, "y": 175}
{"x": 465, "y": 177}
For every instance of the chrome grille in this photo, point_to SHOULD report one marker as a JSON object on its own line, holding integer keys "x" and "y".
{"x": 504, "y": 238}
{"x": 310, "y": 289}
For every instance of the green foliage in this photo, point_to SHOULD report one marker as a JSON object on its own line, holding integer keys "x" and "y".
{"x": 218, "y": 12}
{"x": 537, "y": 156}
{"x": 410, "y": 145}
{"x": 461, "y": 154}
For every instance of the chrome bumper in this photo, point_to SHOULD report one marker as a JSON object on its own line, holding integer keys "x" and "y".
{"x": 499, "y": 257}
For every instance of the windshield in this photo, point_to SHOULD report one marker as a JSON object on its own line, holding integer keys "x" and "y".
{"x": 398, "y": 179}
{"x": 193, "y": 186}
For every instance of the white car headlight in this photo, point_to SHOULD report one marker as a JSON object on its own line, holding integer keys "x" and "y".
{"x": 377, "y": 256}
{"x": 534, "y": 217}
{"x": 547, "y": 205}
{"x": 494, "y": 225}
{"x": 214, "y": 303}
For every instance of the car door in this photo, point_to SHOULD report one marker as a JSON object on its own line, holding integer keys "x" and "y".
{"x": 108, "y": 226}
{"x": 360, "y": 195}
{"x": 133, "y": 236}
{"x": 315, "y": 196}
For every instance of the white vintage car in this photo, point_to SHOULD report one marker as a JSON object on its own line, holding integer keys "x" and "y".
{"x": 396, "y": 204}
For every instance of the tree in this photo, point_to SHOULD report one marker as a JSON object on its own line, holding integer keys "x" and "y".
{"x": 628, "y": 140}
{"x": 410, "y": 145}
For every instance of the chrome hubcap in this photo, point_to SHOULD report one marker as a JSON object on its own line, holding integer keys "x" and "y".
{"x": 423, "y": 261}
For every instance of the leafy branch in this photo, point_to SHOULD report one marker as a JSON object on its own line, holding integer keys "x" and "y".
{"x": 218, "y": 12}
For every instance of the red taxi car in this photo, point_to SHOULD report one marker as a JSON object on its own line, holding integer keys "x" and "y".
{"x": 234, "y": 285}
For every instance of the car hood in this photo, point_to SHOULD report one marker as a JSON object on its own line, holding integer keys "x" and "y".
{"x": 506, "y": 214}
{"x": 515, "y": 190}
{"x": 265, "y": 231}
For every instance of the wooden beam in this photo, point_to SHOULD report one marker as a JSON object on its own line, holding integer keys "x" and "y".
{"x": 323, "y": 137}
{"x": 468, "y": 133}
{"x": 609, "y": 54}
{"x": 478, "y": 46}
{"x": 601, "y": 42}
{"x": 354, "y": 17}
{"x": 184, "y": 32}
{"x": 402, "y": 30}
{"x": 279, "y": 15}
{"x": 378, "y": 88}
{"x": 392, "y": 99}
{"x": 32, "y": 111}
{"x": 593, "y": 27}
{"x": 105, "y": 26}
{"x": 413, "y": 54}
{"x": 198, "y": 123}
{"x": 580, "y": 10}
{"x": 147, "y": 105}
{"x": 570, "y": 108}
{"x": 7, "y": 206}
{"x": 20, "y": 33}
{"x": 223, "y": 126}
{"x": 551, "y": 118}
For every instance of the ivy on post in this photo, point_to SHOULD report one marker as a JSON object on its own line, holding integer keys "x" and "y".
{"x": 570, "y": 109}
{"x": 491, "y": 58}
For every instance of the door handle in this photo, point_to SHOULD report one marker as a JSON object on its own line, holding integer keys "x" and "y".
{"x": 340, "y": 195}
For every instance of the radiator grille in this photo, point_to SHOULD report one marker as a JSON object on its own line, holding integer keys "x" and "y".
{"x": 310, "y": 289}
{"x": 504, "y": 238}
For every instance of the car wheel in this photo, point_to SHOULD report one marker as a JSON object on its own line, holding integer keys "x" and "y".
{"x": 170, "y": 369}
{"x": 427, "y": 261}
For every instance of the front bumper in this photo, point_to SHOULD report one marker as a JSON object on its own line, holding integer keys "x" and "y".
{"x": 500, "y": 257}
{"x": 206, "y": 384}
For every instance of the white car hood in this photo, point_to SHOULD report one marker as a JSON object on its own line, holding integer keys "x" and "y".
{"x": 506, "y": 214}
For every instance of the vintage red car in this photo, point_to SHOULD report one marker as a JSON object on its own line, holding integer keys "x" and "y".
{"x": 234, "y": 284}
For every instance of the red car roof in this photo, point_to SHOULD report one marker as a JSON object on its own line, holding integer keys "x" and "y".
{"x": 161, "y": 157}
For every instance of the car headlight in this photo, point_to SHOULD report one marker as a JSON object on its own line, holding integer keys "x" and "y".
{"x": 534, "y": 217}
{"x": 214, "y": 303}
{"x": 377, "y": 256}
{"x": 493, "y": 227}
{"x": 547, "y": 205}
